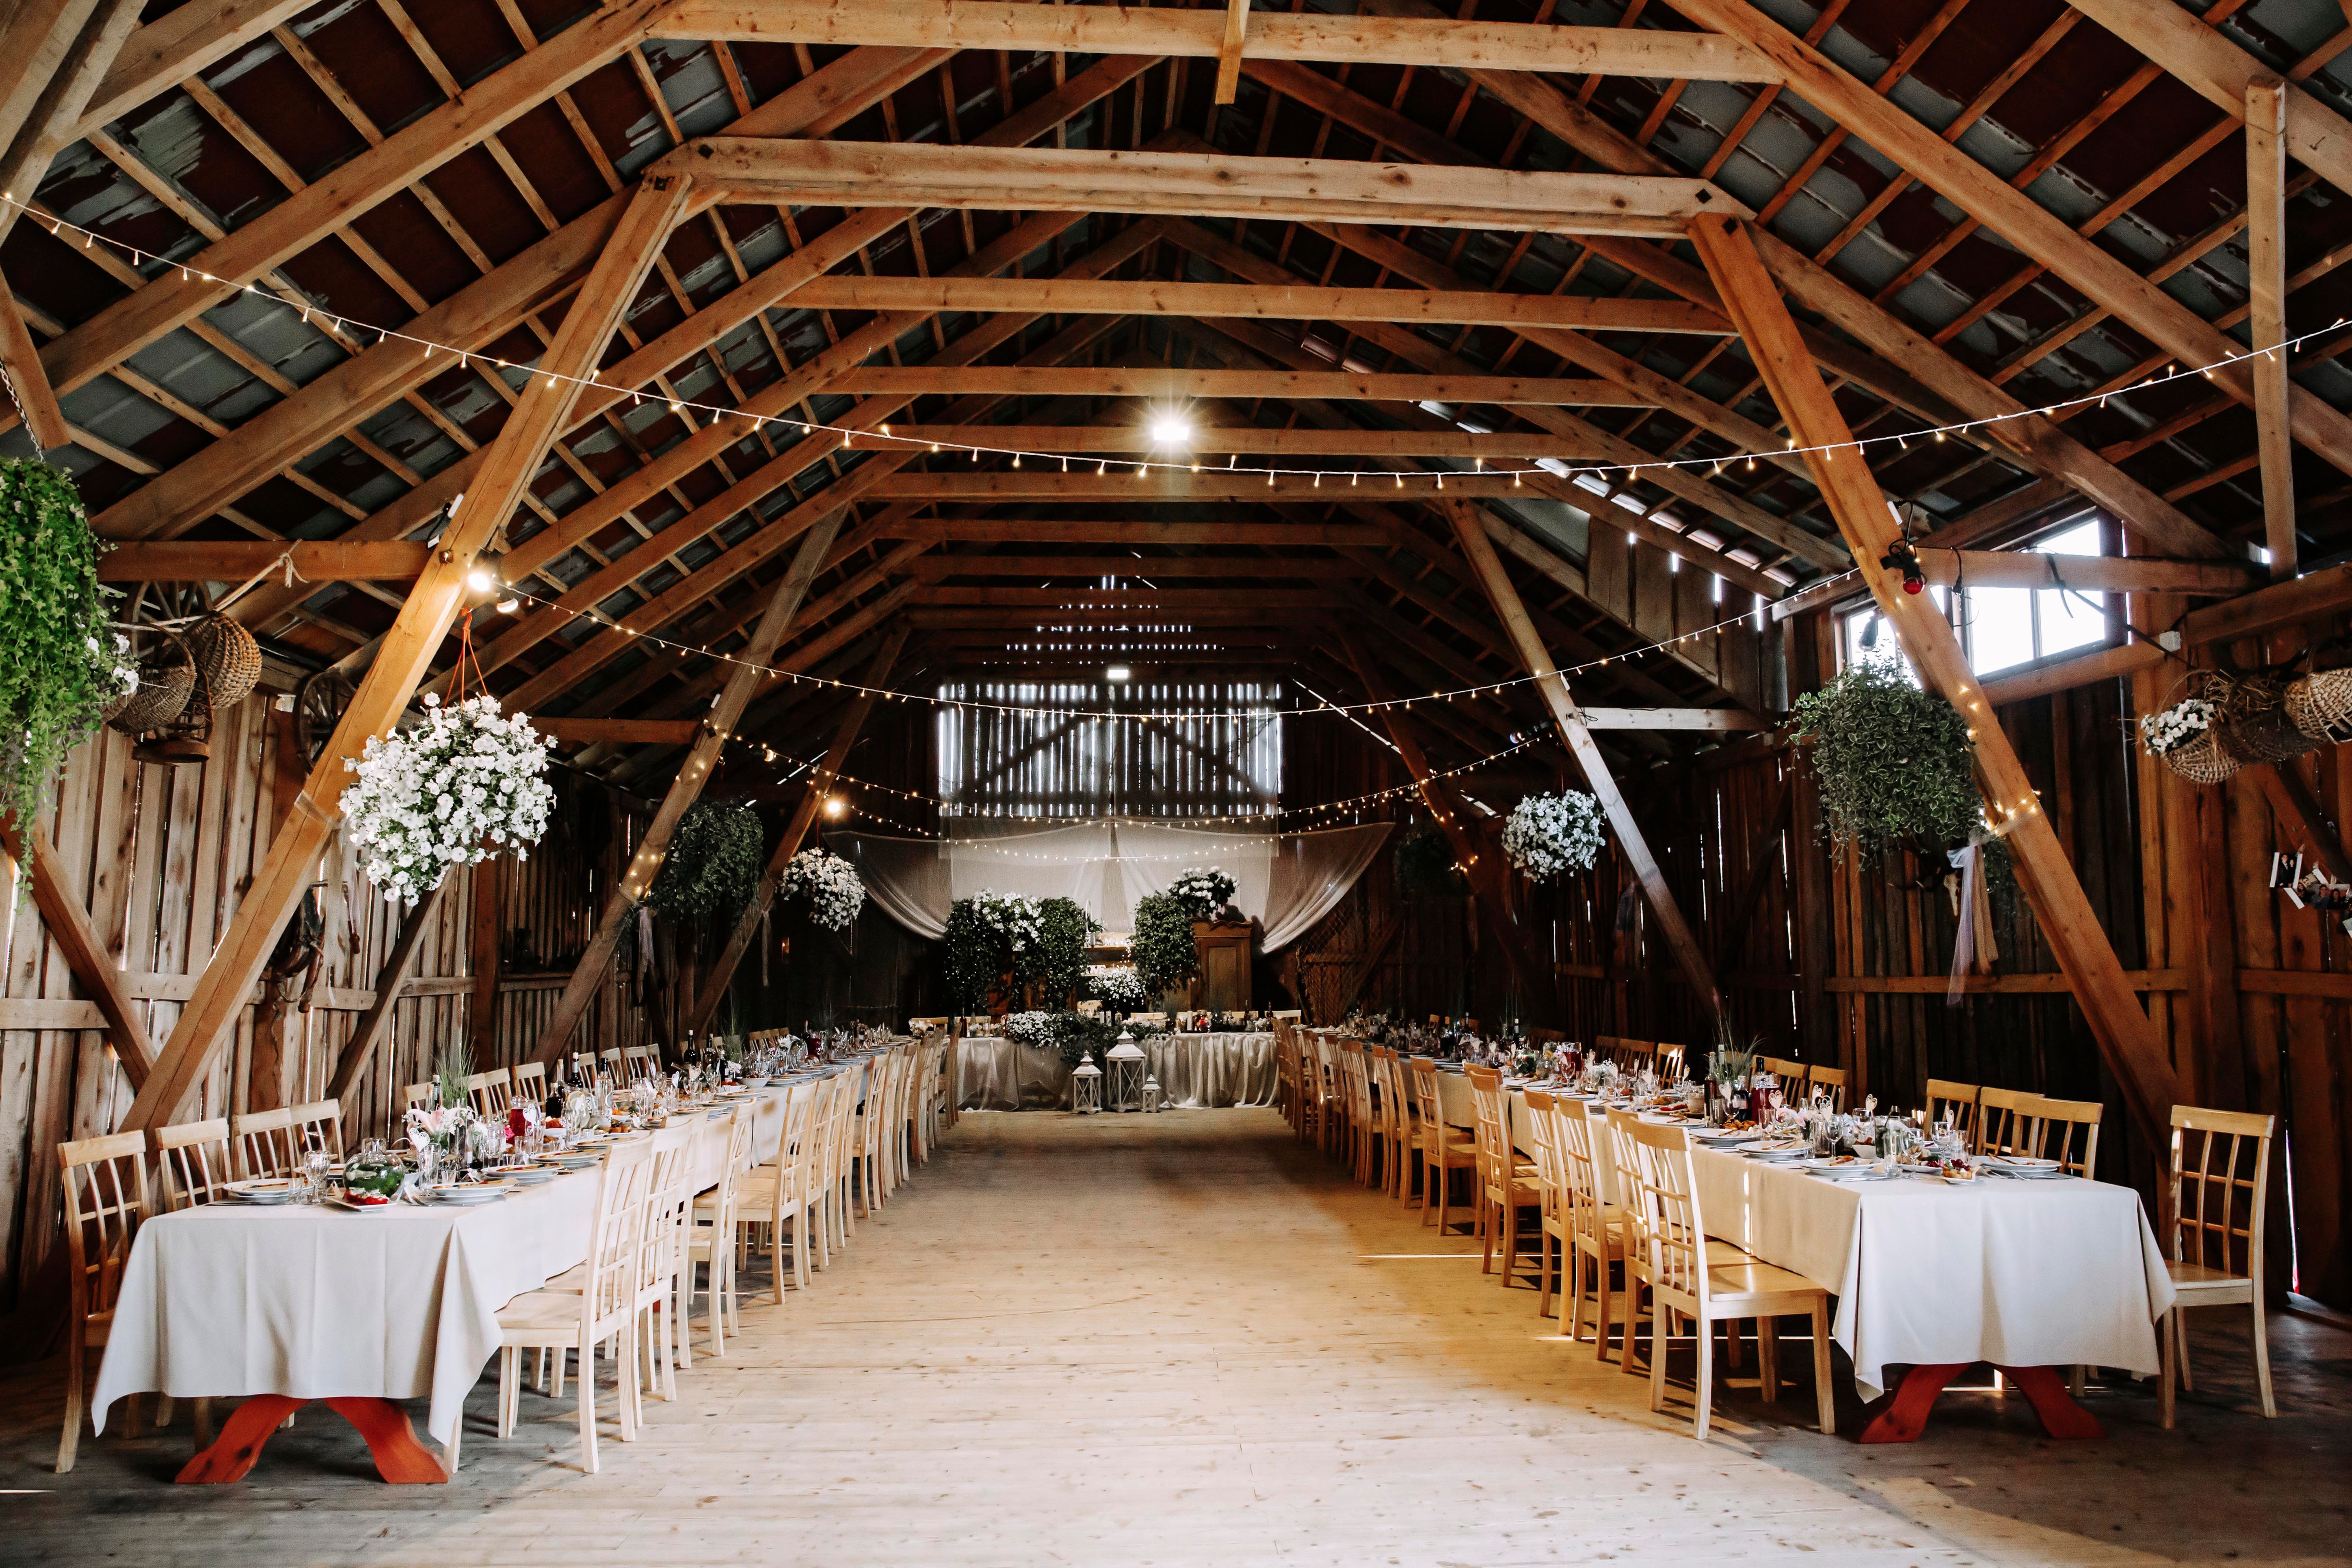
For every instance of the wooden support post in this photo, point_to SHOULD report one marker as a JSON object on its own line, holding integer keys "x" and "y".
{"x": 2296, "y": 805}
{"x": 2266, "y": 311}
{"x": 482, "y": 1014}
{"x": 82, "y": 947}
{"x": 1229, "y": 51}
{"x": 1684, "y": 943}
{"x": 2125, "y": 1039}
{"x": 35, "y": 38}
{"x": 389, "y": 983}
{"x": 405, "y": 654}
{"x": 1734, "y": 931}
{"x": 56, "y": 121}
{"x": 804, "y": 817}
{"x": 1484, "y": 874}
{"x": 45, "y": 421}
{"x": 744, "y": 679}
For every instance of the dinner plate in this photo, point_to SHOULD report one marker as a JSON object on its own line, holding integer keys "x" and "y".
{"x": 531, "y": 1175}
{"x": 471, "y": 1195}
{"x": 2020, "y": 1162}
{"x": 1776, "y": 1156}
{"x": 1749, "y": 1135}
{"x": 1835, "y": 1162}
{"x": 361, "y": 1208}
{"x": 267, "y": 1190}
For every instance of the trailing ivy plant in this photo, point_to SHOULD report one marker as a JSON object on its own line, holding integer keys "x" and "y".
{"x": 1162, "y": 946}
{"x": 1424, "y": 866}
{"x": 60, "y": 662}
{"x": 713, "y": 863}
{"x": 1896, "y": 763}
{"x": 1057, "y": 960}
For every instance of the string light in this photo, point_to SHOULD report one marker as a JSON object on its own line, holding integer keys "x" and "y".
{"x": 683, "y": 406}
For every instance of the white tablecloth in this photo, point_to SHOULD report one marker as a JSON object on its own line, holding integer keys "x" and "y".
{"x": 2041, "y": 1273}
{"x": 1197, "y": 1072}
{"x": 402, "y": 1302}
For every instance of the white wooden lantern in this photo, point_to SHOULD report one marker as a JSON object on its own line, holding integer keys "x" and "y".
{"x": 1086, "y": 1087}
{"x": 1154, "y": 1096}
{"x": 1128, "y": 1073}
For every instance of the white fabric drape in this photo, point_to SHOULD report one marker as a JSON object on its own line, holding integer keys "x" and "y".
{"x": 1285, "y": 882}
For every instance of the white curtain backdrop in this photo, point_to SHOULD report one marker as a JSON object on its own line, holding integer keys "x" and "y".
{"x": 1285, "y": 882}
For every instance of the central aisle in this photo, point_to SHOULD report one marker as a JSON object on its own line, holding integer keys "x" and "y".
{"x": 1174, "y": 1339}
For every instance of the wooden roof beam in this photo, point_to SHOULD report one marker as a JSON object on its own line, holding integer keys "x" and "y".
{"x": 1232, "y": 384}
{"x": 1196, "y": 185}
{"x": 1211, "y": 443}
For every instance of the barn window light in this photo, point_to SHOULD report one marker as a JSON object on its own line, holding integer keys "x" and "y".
{"x": 1171, "y": 432}
{"x": 1118, "y": 672}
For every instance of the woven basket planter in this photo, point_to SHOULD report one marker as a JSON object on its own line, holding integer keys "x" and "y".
{"x": 2202, "y": 761}
{"x": 2320, "y": 705}
{"x": 2253, "y": 723}
{"x": 167, "y": 677}
{"x": 226, "y": 656}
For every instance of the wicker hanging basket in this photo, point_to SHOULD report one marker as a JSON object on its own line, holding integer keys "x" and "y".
{"x": 226, "y": 656}
{"x": 2252, "y": 719}
{"x": 167, "y": 677}
{"x": 187, "y": 737}
{"x": 2202, "y": 761}
{"x": 2320, "y": 705}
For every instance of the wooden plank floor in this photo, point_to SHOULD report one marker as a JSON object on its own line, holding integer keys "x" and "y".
{"x": 1183, "y": 1340}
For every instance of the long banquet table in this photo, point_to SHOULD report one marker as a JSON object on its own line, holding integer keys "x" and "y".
{"x": 401, "y": 1303}
{"x": 1199, "y": 1072}
{"x": 2050, "y": 1272}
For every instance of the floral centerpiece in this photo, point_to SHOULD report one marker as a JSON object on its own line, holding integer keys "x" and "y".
{"x": 2176, "y": 726}
{"x": 1548, "y": 833}
{"x": 988, "y": 936}
{"x": 1201, "y": 890}
{"x": 829, "y": 883}
{"x": 60, "y": 663}
{"x": 1116, "y": 986}
{"x": 448, "y": 791}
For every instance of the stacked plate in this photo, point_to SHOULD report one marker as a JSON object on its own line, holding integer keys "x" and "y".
{"x": 2023, "y": 1166}
{"x": 533, "y": 1175}
{"x": 471, "y": 1195}
{"x": 266, "y": 1191}
{"x": 1779, "y": 1154}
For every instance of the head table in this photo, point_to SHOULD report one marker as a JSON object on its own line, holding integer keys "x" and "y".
{"x": 230, "y": 1299}
{"x": 2050, "y": 1272}
{"x": 1198, "y": 1071}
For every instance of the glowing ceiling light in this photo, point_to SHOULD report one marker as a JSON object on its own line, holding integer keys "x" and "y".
{"x": 1171, "y": 432}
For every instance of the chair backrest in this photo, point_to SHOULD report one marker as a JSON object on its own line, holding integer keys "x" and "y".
{"x": 1828, "y": 1080}
{"x": 1288, "y": 1015}
{"x": 265, "y": 1143}
{"x": 735, "y": 1126}
{"x": 1956, "y": 1102}
{"x": 530, "y": 1081}
{"x": 638, "y": 1063}
{"x": 1551, "y": 1181}
{"x": 1634, "y": 1055}
{"x": 320, "y": 1125}
{"x": 105, "y": 1190}
{"x": 416, "y": 1094}
{"x": 1423, "y": 1073}
{"x": 612, "y": 1059}
{"x": 1360, "y": 1087}
{"x": 2067, "y": 1130}
{"x": 616, "y": 1236}
{"x": 670, "y": 1204}
{"x": 1671, "y": 1067}
{"x": 2005, "y": 1121}
{"x": 491, "y": 1092}
{"x": 1618, "y": 1150}
{"x": 195, "y": 1161}
{"x": 1575, "y": 1133}
{"x": 1494, "y": 1126}
{"x": 1790, "y": 1073}
{"x": 1660, "y": 1198}
{"x": 2219, "y": 1186}
{"x": 1395, "y": 1090}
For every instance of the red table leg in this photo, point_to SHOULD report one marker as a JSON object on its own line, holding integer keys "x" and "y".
{"x": 1901, "y": 1415}
{"x": 399, "y": 1458}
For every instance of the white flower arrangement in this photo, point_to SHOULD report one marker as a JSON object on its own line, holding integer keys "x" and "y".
{"x": 1202, "y": 889}
{"x": 1548, "y": 833}
{"x": 1030, "y": 1029}
{"x": 829, "y": 883}
{"x": 2176, "y": 726}
{"x": 1116, "y": 985}
{"x": 448, "y": 791}
{"x": 1017, "y": 920}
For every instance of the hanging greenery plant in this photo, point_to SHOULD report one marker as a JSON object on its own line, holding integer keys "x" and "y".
{"x": 60, "y": 662}
{"x": 1893, "y": 761}
{"x": 989, "y": 936}
{"x": 713, "y": 862}
{"x": 1424, "y": 866}
{"x": 1162, "y": 945}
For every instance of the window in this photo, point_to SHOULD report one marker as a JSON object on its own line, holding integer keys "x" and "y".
{"x": 1191, "y": 749}
{"x": 2004, "y": 627}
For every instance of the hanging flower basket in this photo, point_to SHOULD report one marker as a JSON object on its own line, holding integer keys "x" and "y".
{"x": 2251, "y": 717}
{"x": 167, "y": 675}
{"x": 830, "y": 886}
{"x": 452, "y": 790}
{"x": 1201, "y": 890}
{"x": 2320, "y": 705}
{"x": 1549, "y": 834}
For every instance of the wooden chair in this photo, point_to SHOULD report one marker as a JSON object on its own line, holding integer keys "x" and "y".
{"x": 1551, "y": 1193}
{"x": 2219, "y": 1189}
{"x": 1361, "y": 1133}
{"x": 105, "y": 1187}
{"x": 2005, "y": 1122}
{"x": 1954, "y": 1101}
{"x": 265, "y": 1143}
{"x": 661, "y": 1255}
{"x": 1288, "y": 1015}
{"x": 772, "y": 1198}
{"x": 1506, "y": 1183}
{"x": 1401, "y": 1123}
{"x": 195, "y": 1159}
{"x": 612, "y": 1064}
{"x": 1678, "y": 1265}
{"x": 1671, "y": 1065}
{"x": 638, "y": 1063}
{"x": 1595, "y": 1226}
{"x": 1633, "y": 1055}
{"x": 320, "y": 1125}
{"x": 1792, "y": 1074}
{"x": 1443, "y": 1150}
{"x": 2067, "y": 1130}
{"x": 491, "y": 1092}
{"x": 603, "y": 1308}
{"x": 711, "y": 1240}
{"x": 1828, "y": 1080}
{"x": 530, "y": 1081}
{"x": 416, "y": 1094}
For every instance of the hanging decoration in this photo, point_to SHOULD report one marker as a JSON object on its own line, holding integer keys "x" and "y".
{"x": 1549, "y": 834}
{"x": 830, "y": 886}
{"x": 2320, "y": 704}
{"x": 713, "y": 862}
{"x": 2182, "y": 737}
{"x": 453, "y": 790}
{"x": 2311, "y": 886}
{"x": 1203, "y": 890}
{"x": 989, "y": 935}
{"x": 1425, "y": 868}
{"x": 1974, "y": 947}
{"x": 60, "y": 662}
{"x": 2231, "y": 719}
{"x": 1893, "y": 760}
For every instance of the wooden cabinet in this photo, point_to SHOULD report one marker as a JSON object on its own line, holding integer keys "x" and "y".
{"x": 1222, "y": 949}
